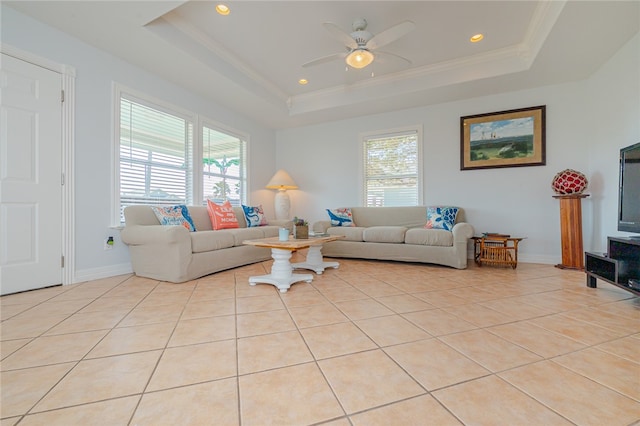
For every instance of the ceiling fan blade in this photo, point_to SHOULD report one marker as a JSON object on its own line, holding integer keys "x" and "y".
{"x": 381, "y": 53}
{"x": 342, "y": 36}
{"x": 391, "y": 34}
{"x": 324, "y": 59}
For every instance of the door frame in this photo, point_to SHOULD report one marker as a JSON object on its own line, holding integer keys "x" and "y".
{"x": 68, "y": 80}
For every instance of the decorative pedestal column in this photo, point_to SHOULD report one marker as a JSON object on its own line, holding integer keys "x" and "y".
{"x": 281, "y": 274}
{"x": 571, "y": 231}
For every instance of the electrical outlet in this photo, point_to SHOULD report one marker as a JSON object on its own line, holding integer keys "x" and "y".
{"x": 108, "y": 243}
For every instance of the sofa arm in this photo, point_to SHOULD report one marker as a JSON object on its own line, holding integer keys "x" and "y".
{"x": 321, "y": 226}
{"x": 154, "y": 234}
{"x": 158, "y": 251}
{"x": 462, "y": 232}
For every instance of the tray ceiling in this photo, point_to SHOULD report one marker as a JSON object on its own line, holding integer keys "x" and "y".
{"x": 251, "y": 60}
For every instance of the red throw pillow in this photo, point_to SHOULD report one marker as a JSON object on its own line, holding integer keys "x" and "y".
{"x": 222, "y": 217}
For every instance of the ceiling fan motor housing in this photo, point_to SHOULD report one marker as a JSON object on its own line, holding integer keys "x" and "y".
{"x": 361, "y": 37}
{"x": 359, "y": 34}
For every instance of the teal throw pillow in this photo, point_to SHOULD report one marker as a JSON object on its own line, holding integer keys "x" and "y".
{"x": 174, "y": 215}
{"x": 341, "y": 217}
{"x": 254, "y": 216}
{"x": 441, "y": 217}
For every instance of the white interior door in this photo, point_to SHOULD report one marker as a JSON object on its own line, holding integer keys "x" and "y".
{"x": 30, "y": 176}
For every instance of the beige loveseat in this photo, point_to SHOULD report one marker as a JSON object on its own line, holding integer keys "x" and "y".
{"x": 172, "y": 253}
{"x": 398, "y": 233}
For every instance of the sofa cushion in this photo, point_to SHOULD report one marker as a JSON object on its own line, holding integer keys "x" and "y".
{"x": 407, "y": 216}
{"x": 441, "y": 217}
{"x": 341, "y": 217}
{"x": 242, "y": 234}
{"x": 203, "y": 241}
{"x": 270, "y": 230}
{"x": 254, "y": 216}
{"x": 429, "y": 237}
{"x": 174, "y": 215}
{"x": 353, "y": 233}
{"x": 384, "y": 234}
{"x": 200, "y": 217}
{"x": 239, "y": 211}
{"x": 222, "y": 216}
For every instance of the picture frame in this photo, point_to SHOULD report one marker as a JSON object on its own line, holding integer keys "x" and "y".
{"x": 512, "y": 138}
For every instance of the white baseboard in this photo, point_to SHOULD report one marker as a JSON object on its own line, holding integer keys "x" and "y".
{"x": 538, "y": 258}
{"x": 104, "y": 272}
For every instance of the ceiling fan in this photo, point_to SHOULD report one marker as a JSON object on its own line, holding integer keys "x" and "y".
{"x": 361, "y": 44}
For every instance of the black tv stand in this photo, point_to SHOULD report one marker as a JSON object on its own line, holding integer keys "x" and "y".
{"x": 620, "y": 266}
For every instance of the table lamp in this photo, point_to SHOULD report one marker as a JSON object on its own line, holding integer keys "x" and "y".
{"x": 282, "y": 181}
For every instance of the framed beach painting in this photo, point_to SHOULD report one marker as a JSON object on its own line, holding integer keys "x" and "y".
{"x": 513, "y": 138}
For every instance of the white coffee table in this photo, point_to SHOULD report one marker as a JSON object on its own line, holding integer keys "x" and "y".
{"x": 314, "y": 260}
{"x": 282, "y": 275}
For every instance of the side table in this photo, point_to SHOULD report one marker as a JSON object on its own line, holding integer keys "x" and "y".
{"x": 496, "y": 250}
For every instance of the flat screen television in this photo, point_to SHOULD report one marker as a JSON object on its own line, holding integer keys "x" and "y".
{"x": 629, "y": 195}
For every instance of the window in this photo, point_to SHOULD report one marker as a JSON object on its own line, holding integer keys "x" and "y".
{"x": 155, "y": 155}
{"x": 223, "y": 162}
{"x": 391, "y": 164}
{"x": 157, "y": 148}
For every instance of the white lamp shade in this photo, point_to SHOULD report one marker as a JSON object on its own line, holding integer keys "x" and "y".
{"x": 281, "y": 180}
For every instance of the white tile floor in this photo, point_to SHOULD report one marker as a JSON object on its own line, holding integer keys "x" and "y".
{"x": 370, "y": 343}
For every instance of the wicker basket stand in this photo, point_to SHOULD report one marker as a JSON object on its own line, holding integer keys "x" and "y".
{"x": 496, "y": 250}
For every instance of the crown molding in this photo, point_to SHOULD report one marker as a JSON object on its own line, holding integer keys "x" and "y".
{"x": 227, "y": 64}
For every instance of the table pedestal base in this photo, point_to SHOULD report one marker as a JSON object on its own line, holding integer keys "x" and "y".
{"x": 281, "y": 274}
{"x": 314, "y": 261}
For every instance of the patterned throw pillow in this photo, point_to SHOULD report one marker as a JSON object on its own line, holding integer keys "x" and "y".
{"x": 441, "y": 217}
{"x": 254, "y": 216}
{"x": 174, "y": 215}
{"x": 341, "y": 217}
{"x": 222, "y": 217}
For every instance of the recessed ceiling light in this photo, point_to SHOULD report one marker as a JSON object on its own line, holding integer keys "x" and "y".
{"x": 476, "y": 38}
{"x": 223, "y": 9}
{"x": 303, "y": 81}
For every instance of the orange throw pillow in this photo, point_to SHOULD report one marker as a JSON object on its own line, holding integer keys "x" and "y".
{"x": 222, "y": 217}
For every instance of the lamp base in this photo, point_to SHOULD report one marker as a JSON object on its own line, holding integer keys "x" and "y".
{"x": 282, "y": 205}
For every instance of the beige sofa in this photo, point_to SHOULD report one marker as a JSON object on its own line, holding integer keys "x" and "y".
{"x": 398, "y": 233}
{"x": 172, "y": 253}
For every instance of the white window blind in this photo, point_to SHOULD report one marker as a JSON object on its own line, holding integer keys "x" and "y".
{"x": 154, "y": 157}
{"x": 391, "y": 169}
{"x": 223, "y": 167}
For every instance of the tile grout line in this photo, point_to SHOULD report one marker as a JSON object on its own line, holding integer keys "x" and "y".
{"x": 76, "y": 363}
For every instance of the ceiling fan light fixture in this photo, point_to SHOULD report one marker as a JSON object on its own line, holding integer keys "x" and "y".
{"x": 359, "y": 58}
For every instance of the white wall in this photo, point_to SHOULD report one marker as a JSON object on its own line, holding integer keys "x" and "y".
{"x": 96, "y": 71}
{"x": 615, "y": 123}
{"x": 587, "y": 122}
